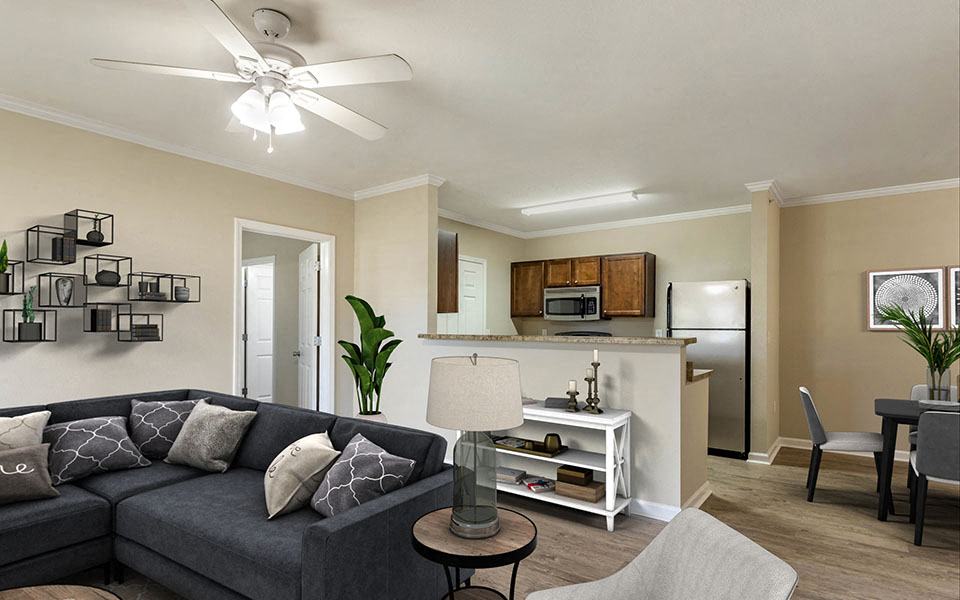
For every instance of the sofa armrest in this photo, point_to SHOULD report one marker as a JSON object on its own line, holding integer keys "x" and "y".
{"x": 366, "y": 552}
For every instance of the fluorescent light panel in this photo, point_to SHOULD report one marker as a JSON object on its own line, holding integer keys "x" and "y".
{"x": 592, "y": 202}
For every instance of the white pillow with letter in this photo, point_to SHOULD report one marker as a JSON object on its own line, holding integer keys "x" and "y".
{"x": 295, "y": 474}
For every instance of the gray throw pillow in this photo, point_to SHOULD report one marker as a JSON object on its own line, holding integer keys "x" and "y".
{"x": 296, "y": 473}
{"x": 363, "y": 472}
{"x": 88, "y": 446}
{"x": 155, "y": 425}
{"x": 210, "y": 437}
{"x": 25, "y": 430}
{"x": 24, "y": 474}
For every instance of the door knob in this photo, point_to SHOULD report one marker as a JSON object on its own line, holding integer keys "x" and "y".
{"x": 296, "y": 354}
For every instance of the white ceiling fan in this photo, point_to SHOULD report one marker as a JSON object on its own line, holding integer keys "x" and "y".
{"x": 279, "y": 78}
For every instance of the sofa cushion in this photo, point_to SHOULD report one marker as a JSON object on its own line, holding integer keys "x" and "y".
{"x": 154, "y": 426}
{"x": 427, "y": 449}
{"x": 24, "y": 474}
{"x": 210, "y": 438}
{"x": 218, "y": 527}
{"x": 275, "y": 428}
{"x": 218, "y": 399}
{"x": 295, "y": 474}
{"x": 37, "y": 526}
{"x": 16, "y": 411}
{"x": 88, "y": 446}
{"x": 23, "y": 430}
{"x": 118, "y": 485}
{"x": 105, "y": 407}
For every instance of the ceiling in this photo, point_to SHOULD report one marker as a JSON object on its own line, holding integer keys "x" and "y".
{"x": 524, "y": 103}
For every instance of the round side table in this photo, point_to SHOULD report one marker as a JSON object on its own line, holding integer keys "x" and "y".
{"x": 433, "y": 540}
{"x": 57, "y": 592}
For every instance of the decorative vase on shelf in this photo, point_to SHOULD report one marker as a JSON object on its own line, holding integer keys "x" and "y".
{"x": 108, "y": 278}
{"x": 95, "y": 236}
{"x": 64, "y": 287}
{"x": 181, "y": 293}
{"x": 938, "y": 386}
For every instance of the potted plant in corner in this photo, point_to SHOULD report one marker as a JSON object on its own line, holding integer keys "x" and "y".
{"x": 940, "y": 349}
{"x": 4, "y": 263}
{"x": 369, "y": 362}
{"x": 29, "y": 330}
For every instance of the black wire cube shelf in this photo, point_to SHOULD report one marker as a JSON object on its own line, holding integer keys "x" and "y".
{"x": 90, "y": 228}
{"x": 17, "y": 329}
{"x": 104, "y": 317}
{"x": 107, "y": 270}
{"x": 147, "y": 286}
{"x": 61, "y": 290}
{"x": 49, "y": 245}
{"x": 140, "y": 327}
{"x": 11, "y": 281}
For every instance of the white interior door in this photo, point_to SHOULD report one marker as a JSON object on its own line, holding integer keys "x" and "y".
{"x": 308, "y": 346}
{"x": 258, "y": 279}
{"x": 472, "y": 317}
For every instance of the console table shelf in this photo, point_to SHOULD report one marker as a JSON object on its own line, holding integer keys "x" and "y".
{"x": 614, "y": 462}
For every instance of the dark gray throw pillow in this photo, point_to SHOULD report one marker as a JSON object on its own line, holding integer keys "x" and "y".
{"x": 363, "y": 472}
{"x": 24, "y": 474}
{"x": 155, "y": 425}
{"x": 88, "y": 446}
{"x": 210, "y": 437}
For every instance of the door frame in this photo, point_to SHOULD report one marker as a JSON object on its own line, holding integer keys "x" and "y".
{"x": 242, "y": 345}
{"x": 326, "y": 304}
{"x": 482, "y": 262}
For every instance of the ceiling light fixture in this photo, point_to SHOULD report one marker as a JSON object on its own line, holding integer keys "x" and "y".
{"x": 591, "y": 202}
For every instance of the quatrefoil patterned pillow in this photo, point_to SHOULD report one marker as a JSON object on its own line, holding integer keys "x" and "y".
{"x": 154, "y": 426}
{"x": 89, "y": 446}
{"x": 364, "y": 472}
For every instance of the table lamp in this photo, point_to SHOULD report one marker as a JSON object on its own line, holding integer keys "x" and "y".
{"x": 475, "y": 395}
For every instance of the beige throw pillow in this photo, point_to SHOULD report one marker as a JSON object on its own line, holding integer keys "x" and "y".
{"x": 296, "y": 473}
{"x": 210, "y": 437}
{"x": 25, "y": 430}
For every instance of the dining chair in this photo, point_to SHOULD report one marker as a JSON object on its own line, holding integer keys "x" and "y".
{"x": 937, "y": 458}
{"x": 919, "y": 393}
{"x": 834, "y": 441}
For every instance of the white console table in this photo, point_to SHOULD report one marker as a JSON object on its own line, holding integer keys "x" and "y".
{"x": 614, "y": 462}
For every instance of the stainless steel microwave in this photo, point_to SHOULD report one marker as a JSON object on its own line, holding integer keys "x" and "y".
{"x": 572, "y": 303}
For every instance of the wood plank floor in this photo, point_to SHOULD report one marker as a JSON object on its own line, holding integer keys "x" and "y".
{"x": 836, "y": 544}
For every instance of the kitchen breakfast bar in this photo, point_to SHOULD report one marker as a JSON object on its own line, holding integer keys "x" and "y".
{"x": 653, "y": 466}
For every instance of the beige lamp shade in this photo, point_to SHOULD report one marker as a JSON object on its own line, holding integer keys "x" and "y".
{"x": 477, "y": 393}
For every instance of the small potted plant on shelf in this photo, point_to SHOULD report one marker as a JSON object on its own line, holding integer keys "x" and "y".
{"x": 940, "y": 350}
{"x": 369, "y": 361}
{"x": 29, "y": 330}
{"x": 4, "y": 263}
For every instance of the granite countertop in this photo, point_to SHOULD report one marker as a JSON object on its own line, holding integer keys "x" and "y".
{"x": 554, "y": 339}
{"x": 699, "y": 374}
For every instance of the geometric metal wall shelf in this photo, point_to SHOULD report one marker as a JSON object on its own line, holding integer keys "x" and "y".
{"x": 140, "y": 328}
{"x": 14, "y": 281}
{"x": 89, "y": 227}
{"x": 61, "y": 290}
{"x": 107, "y": 270}
{"x": 16, "y": 329}
{"x": 103, "y": 317}
{"x": 51, "y": 245}
{"x": 147, "y": 286}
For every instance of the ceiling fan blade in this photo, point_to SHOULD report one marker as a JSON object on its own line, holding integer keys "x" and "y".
{"x": 216, "y": 22}
{"x": 339, "y": 115}
{"x": 374, "y": 69}
{"x": 123, "y": 65}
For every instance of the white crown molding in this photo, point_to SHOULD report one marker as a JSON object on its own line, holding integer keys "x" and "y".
{"x": 892, "y": 190}
{"x": 396, "y": 186}
{"x": 683, "y": 216}
{"x": 767, "y": 185}
{"x": 455, "y": 216}
{"x": 32, "y": 109}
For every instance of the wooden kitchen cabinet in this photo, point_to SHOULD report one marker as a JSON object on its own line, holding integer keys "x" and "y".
{"x": 629, "y": 285}
{"x": 526, "y": 289}
{"x": 448, "y": 272}
{"x": 567, "y": 272}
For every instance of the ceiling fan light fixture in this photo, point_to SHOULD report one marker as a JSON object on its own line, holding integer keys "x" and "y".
{"x": 283, "y": 115}
{"x": 248, "y": 108}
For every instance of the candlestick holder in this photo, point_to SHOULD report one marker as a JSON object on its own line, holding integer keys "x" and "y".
{"x": 572, "y": 402}
{"x": 593, "y": 392}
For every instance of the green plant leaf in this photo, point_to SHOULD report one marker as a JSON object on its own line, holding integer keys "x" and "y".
{"x": 4, "y": 262}
{"x": 364, "y": 312}
{"x": 352, "y": 349}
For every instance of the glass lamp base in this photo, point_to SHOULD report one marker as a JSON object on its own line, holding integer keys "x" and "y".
{"x": 474, "y": 512}
{"x": 473, "y": 529}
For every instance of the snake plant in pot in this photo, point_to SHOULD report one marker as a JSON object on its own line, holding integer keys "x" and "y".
{"x": 29, "y": 330}
{"x": 4, "y": 263}
{"x": 939, "y": 349}
{"x": 370, "y": 360}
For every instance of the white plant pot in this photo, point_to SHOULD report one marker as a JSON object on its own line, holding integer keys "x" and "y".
{"x": 375, "y": 417}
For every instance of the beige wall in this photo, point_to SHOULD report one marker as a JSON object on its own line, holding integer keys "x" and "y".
{"x": 172, "y": 213}
{"x": 286, "y": 308}
{"x": 694, "y": 418}
{"x": 499, "y": 250}
{"x": 827, "y": 250}
{"x": 696, "y": 250}
{"x": 764, "y": 321}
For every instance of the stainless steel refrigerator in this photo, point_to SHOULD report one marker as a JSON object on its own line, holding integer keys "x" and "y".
{"x": 717, "y": 313}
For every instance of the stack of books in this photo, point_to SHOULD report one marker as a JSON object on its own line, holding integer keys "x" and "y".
{"x": 101, "y": 319}
{"x": 507, "y": 475}
{"x": 147, "y": 332}
{"x": 155, "y": 296}
{"x": 539, "y": 485}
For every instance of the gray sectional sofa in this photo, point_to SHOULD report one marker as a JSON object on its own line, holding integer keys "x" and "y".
{"x": 206, "y": 536}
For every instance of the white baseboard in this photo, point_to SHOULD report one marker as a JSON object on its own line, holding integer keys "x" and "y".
{"x": 700, "y": 496}
{"x": 899, "y": 455}
{"x": 653, "y": 510}
{"x": 766, "y": 458}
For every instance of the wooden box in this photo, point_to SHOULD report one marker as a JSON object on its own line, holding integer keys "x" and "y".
{"x": 574, "y": 475}
{"x": 592, "y": 492}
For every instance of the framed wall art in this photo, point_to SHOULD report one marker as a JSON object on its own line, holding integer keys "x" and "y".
{"x": 913, "y": 290}
{"x": 953, "y": 284}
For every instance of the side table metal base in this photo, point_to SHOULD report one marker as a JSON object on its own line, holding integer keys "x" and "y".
{"x": 475, "y": 593}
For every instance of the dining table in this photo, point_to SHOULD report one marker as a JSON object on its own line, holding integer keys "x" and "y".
{"x": 894, "y": 413}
